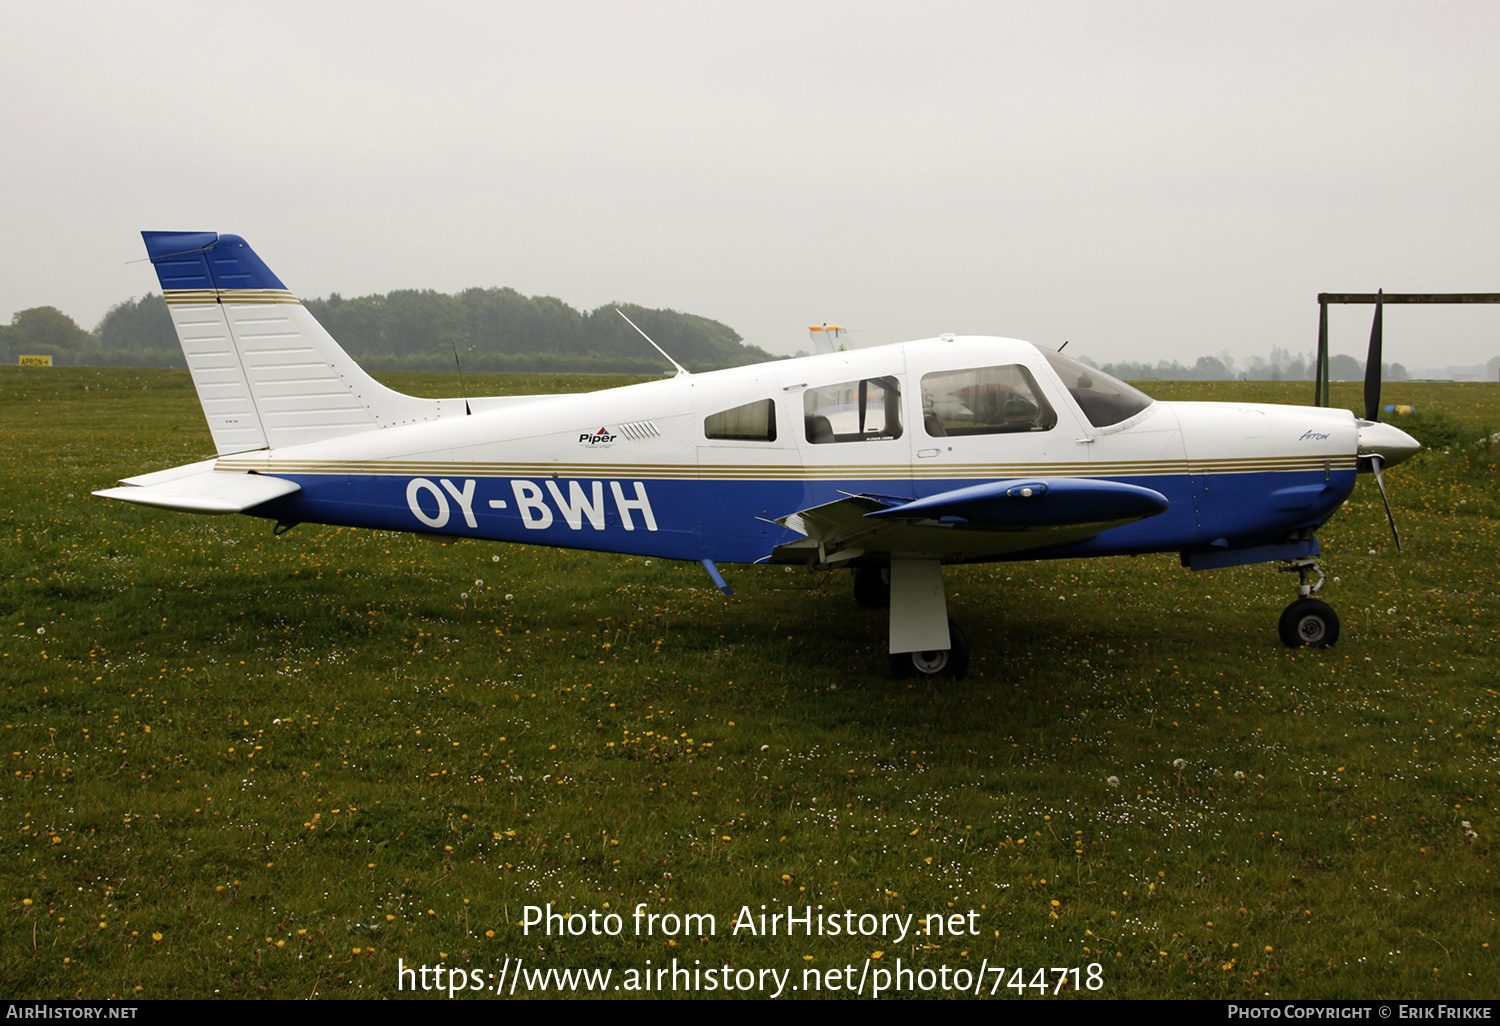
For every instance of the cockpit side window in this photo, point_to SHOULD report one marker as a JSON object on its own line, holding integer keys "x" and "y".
{"x": 1103, "y": 399}
{"x": 753, "y": 422}
{"x": 984, "y": 401}
{"x": 853, "y": 411}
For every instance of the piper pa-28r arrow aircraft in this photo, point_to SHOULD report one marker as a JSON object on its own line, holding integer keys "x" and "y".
{"x": 890, "y": 461}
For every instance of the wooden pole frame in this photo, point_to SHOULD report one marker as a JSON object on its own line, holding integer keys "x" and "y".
{"x": 1320, "y": 375}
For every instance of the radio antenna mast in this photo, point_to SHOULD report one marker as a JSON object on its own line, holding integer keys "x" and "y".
{"x": 681, "y": 370}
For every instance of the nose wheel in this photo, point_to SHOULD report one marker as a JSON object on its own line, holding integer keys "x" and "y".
{"x": 1308, "y": 622}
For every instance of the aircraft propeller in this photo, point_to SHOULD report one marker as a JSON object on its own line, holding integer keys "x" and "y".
{"x": 1379, "y": 443}
{"x": 1372, "y": 362}
{"x": 1375, "y": 462}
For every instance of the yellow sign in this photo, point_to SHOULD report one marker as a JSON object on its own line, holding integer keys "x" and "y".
{"x": 36, "y": 361}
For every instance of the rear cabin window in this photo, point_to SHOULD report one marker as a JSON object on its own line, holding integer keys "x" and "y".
{"x": 1103, "y": 399}
{"x": 854, "y": 411}
{"x": 753, "y": 422}
{"x": 984, "y": 401}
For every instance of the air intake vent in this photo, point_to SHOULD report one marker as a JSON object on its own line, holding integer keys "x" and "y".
{"x": 640, "y": 431}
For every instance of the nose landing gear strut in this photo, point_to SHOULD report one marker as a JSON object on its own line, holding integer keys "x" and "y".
{"x": 1308, "y": 622}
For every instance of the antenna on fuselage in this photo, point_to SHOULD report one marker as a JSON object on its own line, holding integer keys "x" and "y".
{"x": 681, "y": 370}
{"x": 462, "y": 388}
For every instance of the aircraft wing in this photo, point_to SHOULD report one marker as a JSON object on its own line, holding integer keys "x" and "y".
{"x": 993, "y": 519}
{"x": 198, "y": 488}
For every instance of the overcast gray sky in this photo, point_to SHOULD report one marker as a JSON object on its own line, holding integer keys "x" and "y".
{"x": 1149, "y": 180}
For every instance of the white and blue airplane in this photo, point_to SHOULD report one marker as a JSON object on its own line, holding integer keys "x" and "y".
{"x": 891, "y": 461}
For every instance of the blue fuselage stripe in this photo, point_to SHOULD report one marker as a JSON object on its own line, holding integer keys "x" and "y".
{"x": 732, "y": 521}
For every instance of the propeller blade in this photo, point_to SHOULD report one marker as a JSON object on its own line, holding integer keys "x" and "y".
{"x": 1372, "y": 362}
{"x": 864, "y": 400}
{"x": 1375, "y": 462}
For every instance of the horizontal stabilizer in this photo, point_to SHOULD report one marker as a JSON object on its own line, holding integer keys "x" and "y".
{"x": 202, "y": 490}
{"x": 1054, "y": 502}
{"x": 171, "y": 473}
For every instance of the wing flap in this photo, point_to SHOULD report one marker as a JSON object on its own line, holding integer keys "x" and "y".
{"x": 836, "y": 521}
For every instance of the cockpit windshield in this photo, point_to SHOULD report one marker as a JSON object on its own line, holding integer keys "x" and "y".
{"x": 1103, "y": 399}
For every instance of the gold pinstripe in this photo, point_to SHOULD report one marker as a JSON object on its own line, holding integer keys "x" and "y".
{"x": 786, "y": 472}
{"x": 232, "y": 297}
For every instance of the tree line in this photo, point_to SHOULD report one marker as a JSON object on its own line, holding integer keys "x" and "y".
{"x": 499, "y": 329}
{"x": 495, "y": 329}
{"x": 1283, "y": 365}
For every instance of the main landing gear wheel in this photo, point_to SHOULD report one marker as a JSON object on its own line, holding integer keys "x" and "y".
{"x": 872, "y": 587}
{"x": 951, "y": 662}
{"x": 1309, "y": 622}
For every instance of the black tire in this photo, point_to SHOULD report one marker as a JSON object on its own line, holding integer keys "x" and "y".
{"x": 952, "y": 663}
{"x": 872, "y": 587}
{"x": 1309, "y": 623}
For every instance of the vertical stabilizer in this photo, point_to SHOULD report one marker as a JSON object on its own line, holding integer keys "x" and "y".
{"x": 267, "y": 373}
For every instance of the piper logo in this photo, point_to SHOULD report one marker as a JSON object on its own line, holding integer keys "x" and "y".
{"x": 600, "y": 437}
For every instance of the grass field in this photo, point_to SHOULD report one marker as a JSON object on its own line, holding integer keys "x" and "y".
{"x": 239, "y": 765}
